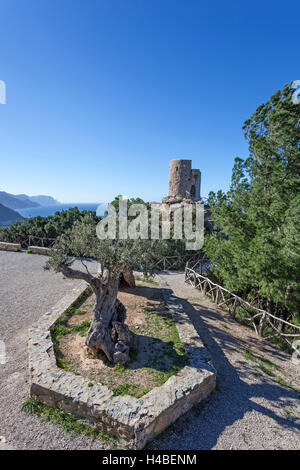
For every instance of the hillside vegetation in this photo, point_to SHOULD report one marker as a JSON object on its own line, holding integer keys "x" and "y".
{"x": 44, "y": 227}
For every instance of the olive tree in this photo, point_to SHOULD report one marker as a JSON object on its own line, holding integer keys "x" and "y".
{"x": 108, "y": 331}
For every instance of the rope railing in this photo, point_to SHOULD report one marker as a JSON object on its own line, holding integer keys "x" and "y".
{"x": 232, "y": 303}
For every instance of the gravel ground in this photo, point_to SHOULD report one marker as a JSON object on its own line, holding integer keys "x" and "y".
{"x": 26, "y": 292}
{"x": 247, "y": 411}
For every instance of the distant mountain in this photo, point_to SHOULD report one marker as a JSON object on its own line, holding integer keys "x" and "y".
{"x": 14, "y": 202}
{"x": 23, "y": 201}
{"x": 44, "y": 200}
{"x": 8, "y": 215}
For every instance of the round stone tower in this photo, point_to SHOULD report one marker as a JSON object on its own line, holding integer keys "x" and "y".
{"x": 179, "y": 177}
{"x": 184, "y": 182}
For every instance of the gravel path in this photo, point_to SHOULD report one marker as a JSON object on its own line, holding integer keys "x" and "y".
{"x": 26, "y": 292}
{"x": 247, "y": 411}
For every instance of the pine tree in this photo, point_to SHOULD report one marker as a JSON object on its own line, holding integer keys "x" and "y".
{"x": 255, "y": 246}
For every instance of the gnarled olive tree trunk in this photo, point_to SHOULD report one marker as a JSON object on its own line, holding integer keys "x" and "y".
{"x": 108, "y": 331}
{"x": 127, "y": 278}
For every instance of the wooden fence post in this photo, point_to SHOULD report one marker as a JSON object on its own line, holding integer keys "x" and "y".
{"x": 262, "y": 325}
{"x": 233, "y": 309}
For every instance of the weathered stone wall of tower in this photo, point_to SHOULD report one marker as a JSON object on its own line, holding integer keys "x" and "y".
{"x": 179, "y": 178}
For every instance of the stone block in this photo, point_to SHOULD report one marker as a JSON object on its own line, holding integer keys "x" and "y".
{"x": 10, "y": 246}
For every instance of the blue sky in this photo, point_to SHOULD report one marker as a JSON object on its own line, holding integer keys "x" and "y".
{"x": 102, "y": 94}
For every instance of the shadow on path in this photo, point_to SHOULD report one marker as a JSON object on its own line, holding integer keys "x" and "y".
{"x": 232, "y": 399}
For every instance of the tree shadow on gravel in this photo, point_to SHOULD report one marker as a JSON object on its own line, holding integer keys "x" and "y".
{"x": 201, "y": 427}
{"x": 215, "y": 315}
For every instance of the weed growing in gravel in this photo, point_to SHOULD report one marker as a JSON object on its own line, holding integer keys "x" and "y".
{"x": 66, "y": 420}
{"x": 261, "y": 361}
{"x": 266, "y": 370}
{"x": 150, "y": 281}
{"x": 120, "y": 367}
{"x": 285, "y": 384}
{"x": 125, "y": 389}
{"x": 248, "y": 355}
{"x": 81, "y": 328}
{"x": 80, "y": 312}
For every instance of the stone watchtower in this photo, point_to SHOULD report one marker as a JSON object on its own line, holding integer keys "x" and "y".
{"x": 184, "y": 182}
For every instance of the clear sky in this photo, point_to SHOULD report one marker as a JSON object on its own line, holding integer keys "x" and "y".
{"x": 101, "y": 94}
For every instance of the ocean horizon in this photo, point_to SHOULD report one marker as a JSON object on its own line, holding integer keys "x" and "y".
{"x": 45, "y": 211}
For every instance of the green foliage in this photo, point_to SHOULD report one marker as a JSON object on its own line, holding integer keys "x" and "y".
{"x": 66, "y": 420}
{"x": 32, "y": 406}
{"x": 130, "y": 202}
{"x": 122, "y": 389}
{"x": 255, "y": 248}
{"x": 172, "y": 247}
{"x": 149, "y": 281}
{"x": 81, "y": 328}
{"x": 113, "y": 255}
{"x": 44, "y": 227}
{"x": 120, "y": 367}
{"x": 59, "y": 329}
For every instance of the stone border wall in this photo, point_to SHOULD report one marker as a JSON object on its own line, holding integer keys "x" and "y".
{"x": 10, "y": 246}
{"x": 38, "y": 250}
{"x": 133, "y": 422}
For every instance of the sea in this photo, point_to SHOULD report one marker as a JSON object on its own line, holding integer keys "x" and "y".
{"x": 44, "y": 211}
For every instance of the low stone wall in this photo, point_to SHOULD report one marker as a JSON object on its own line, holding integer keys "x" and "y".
{"x": 39, "y": 250}
{"x": 133, "y": 422}
{"x": 10, "y": 246}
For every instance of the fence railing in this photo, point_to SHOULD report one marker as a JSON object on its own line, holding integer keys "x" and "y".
{"x": 41, "y": 241}
{"x": 178, "y": 261}
{"x": 29, "y": 240}
{"x": 259, "y": 318}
